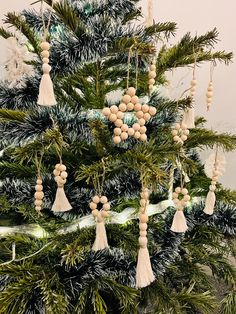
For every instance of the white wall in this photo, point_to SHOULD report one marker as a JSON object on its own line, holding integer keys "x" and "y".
{"x": 196, "y": 17}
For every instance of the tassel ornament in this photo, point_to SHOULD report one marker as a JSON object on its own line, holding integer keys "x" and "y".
{"x": 100, "y": 242}
{"x": 61, "y": 203}
{"x": 144, "y": 273}
{"x": 180, "y": 198}
{"x": 38, "y": 195}
{"x": 46, "y": 92}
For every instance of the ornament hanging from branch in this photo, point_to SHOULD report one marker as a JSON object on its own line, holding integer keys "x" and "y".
{"x": 180, "y": 133}
{"x": 214, "y": 167}
{"x": 209, "y": 93}
{"x": 16, "y": 65}
{"x": 152, "y": 75}
{"x": 144, "y": 273}
{"x": 180, "y": 198}
{"x": 46, "y": 91}
{"x": 38, "y": 196}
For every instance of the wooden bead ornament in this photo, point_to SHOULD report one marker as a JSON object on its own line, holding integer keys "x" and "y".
{"x": 214, "y": 167}
{"x": 180, "y": 199}
{"x": 38, "y": 196}
{"x": 99, "y": 215}
{"x": 61, "y": 203}
{"x": 209, "y": 95}
{"x": 151, "y": 77}
{"x": 144, "y": 273}
{"x": 180, "y": 133}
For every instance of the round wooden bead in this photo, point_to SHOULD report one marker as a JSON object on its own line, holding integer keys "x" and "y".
{"x": 143, "y": 218}
{"x": 210, "y": 88}
{"x": 136, "y": 127}
{"x": 96, "y": 199}
{"x": 145, "y": 108}
{"x": 118, "y": 123}
{"x": 57, "y": 178}
{"x": 114, "y": 109}
{"x": 141, "y": 122}
{"x": 45, "y": 45}
{"x": 124, "y": 136}
{"x": 137, "y": 135}
{"x": 57, "y": 167}
{"x": 116, "y": 139}
{"x": 45, "y": 54}
{"x": 152, "y": 111}
{"x": 176, "y": 201}
{"x": 56, "y": 172}
{"x": 122, "y": 107}
{"x": 93, "y": 205}
{"x": 209, "y": 94}
{"x": 175, "y": 195}
{"x": 39, "y": 181}
{"x": 177, "y": 126}
{"x": 38, "y": 202}
{"x": 126, "y": 99}
{"x": 178, "y": 190}
{"x": 183, "y": 126}
{"x": 152, "y": 74}
{"x": 139, "y": 114}
{"x": 64, "y": 174}
{"x": 120, "y": 115}
{"x": 174, "y": 132}
{"x": 184, "y": 137}
{"x": 130, "y": 106}
{"x": 143, "y": 233}
{"x": 153, "y": 67}
{"x": 137, "y": 107}
{"x": 38, "y": 195}
{"x": 215, "y": 178}
{"x": 124, "y": 128}
{"x": 146, "y": 116}
{"x": 103, "y": 199}
{"x": 62, "y": 168}
{"x": 151, "y": 87}
{"x": 143, "y": 137}
{"x": 193, "y": 82}
{"x": 38, "y": 187}
{"x": 131, "y": 131}
{"x": 38, "y": 208}
{"x": 131, "y": 91}
{"x": 113, "y": 117}
{"x": 186, "y": 132}
{"x": 95, "y": 212}
{"x": 176, "y": 138}
{"x": 143, "y": 226}
{"x": 186, "y": 198}
{"x": 142, "y": 241}
{"x": 105, "y": 214}
{"x": 106, "y": 206}
{"x": 106, "y": 111}
{"x": 151, "y": 81}
{"x": 213, "y": 182}
{"x": 46, "y": 68}
{"x": 117, "y": 131}
{"x": 134, "y": 99}
{"x": 45, "y": 60}
{"x": 143, "y": 129}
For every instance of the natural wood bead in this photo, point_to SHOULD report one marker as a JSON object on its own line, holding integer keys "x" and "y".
{"x": 184, "y": 137}
{"x": 137, "y": 107}
{"x": 57, "y": 167}
{"x": 209, "y": 100}
{"x": 152, "y": 111}
{"x": 177, "y": 126}
{"x": 176, "y": 138}
{"x": 113, "y": 117}
{"x": 114, "y": 109}
{"x": 64, "y": 174}
{"x": 183, "y": 126}
{"x": 143, "y": 218}
{"x": 184, "y": 191}
{"x": 95, "y": 212}
{"x": 139, "y": 114}
{"x": 39, "y": 181}
{"x": 45, "y": 45}
{"x": 186, "y": 132}
{"x": 143, "y": 137}
{"x": 124, "y": 128}
{"x": 143, "y": 241}
{"x": 45, "y": 60}
{"x": 117, "y": 131}
{"x": 175, "y": 195}
{"x": 187, "y": 198}
{"x": 116, "y": 139}
{"x": 126, "y": 99}
{"x": 143, "y": 233}
{"x": 45, "y": 54}
{"x": 62, "y": 168}
{"x": 134, "y": 99}
{"x": 193, "y": 82}
{"x": 38, "y": 187}
{"x": 210, "y": 88}
{"x": 96, "y": 199}
{"x": 122, "y": 107}
{"x": 136, "y": 127}
{"x": 176, "y": 201}
{"x": 38, "y": 195}
{"x": 143, "y": 129}
{"x": 38, "y": 202}
{"x": 152, "y": 74}
{"x": 137, "y": 135}
{"x": 130, "y": 106}
{"x": 105, "y": 214}
{"x": 174, "y": 132}
{"x": 143, "y": 226}
{"x": 131, "y": 131}
{"x": 153, "y": 67}
{"x": 106, "y": 111}
{"x": 145, "y": 108}
{"x": 56, "y": 172}
{"x": 92, "y": 205}
{"x": 215, "y": 178}
{"x": 146, "y": 116}
{"x": 141, "y": 122}
{"x": 38, "y": 208}
{"x": 120, "y": 115}
{"x": 124, "y": 136}
{"x": 151, "y": 81}
{"x": 213, "y": 182}
{"x": 131, "y": 91}
{"x": 209, "y": 94}
{"x": 106, "y": 206}
{"x": 103, "y": 199}
{"x": 178, "y": 190}
{"x": 118, "y": 123}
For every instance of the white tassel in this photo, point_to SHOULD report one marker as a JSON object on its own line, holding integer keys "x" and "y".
{"x": 144, "y": 273}
{"x": 61, "y": 203}
{"x": 189, "y": 117}
{"x": 46, "y": 91}
{"x": 210, "y": 203}
{"x": 179, "y": 223}
{"x": 100, "y": 242}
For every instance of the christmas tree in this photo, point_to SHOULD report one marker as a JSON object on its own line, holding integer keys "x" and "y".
{"x": 132, "y": 169}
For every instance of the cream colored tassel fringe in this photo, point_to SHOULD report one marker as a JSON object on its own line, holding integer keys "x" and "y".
{"x": 144, "y": 273}
{"x": 179, "y": 223}
{"x": 61, "y": 203}
{"x": 210, "y": 203}
{"x": 189, "y": 117}
{"x": 100, "y": 242}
